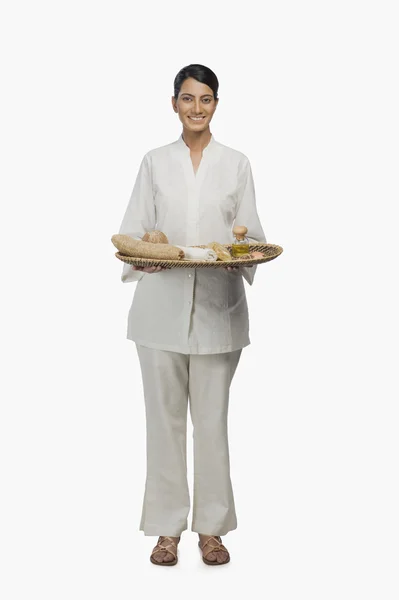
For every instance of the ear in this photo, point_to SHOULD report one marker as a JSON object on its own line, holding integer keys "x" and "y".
{"x": 174, "y": 104}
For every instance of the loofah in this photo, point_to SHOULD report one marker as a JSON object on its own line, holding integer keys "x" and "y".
{"x": 155, "y": 237}
{"x": 221, "y": 251}
{"x": 131, "y": 247}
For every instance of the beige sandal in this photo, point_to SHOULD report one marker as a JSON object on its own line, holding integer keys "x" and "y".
{"x": 160, "y": 547}
{"x": 219, "y": 546}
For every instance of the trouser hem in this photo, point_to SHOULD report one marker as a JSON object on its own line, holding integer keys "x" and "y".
{"x": 207, "y": 529}
{"x": 160, "y": 530}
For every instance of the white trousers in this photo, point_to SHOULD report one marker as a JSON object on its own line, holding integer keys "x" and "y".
{"x": 171, "y": 380}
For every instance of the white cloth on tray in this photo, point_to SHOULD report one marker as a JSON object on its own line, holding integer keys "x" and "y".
{"x": 198, "y": 253}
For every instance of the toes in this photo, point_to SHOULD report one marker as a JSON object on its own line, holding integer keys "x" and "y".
{"x": 222, "y": 557}
{"x": 169, "y": 557}
{"x": 163, "y": 556}
{"x": 159, "y": 556}
{"x": 211, "y": 556}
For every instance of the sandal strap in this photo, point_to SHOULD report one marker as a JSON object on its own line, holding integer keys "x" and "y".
{"x": 160, "y": 546}
{"x": 219, "y": 546}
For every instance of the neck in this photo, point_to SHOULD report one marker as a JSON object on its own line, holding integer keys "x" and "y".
{"x": 196, "y": 141}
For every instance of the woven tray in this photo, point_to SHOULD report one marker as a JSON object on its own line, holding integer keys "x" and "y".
{"x": 270, "y": 250}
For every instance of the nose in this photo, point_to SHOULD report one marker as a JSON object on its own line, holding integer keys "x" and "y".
{"x": 197, "y": 107}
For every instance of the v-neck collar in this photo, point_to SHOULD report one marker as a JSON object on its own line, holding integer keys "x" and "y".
{"x": 195, "y": 178}
{"x": 186, "y": 148}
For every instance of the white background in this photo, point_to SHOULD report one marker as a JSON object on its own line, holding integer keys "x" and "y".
{"x": 309, "y": 92}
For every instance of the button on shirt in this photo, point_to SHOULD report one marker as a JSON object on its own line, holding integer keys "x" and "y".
{"x": 191, "y": 310}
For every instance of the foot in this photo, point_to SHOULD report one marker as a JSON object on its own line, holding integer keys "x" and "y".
{"x": 213, "y": 550}
{"x": 166, "y": 549}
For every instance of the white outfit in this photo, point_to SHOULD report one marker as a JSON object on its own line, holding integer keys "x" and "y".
{"x": 189, "y": 326}
{"x": 169, "y": 378}
{"x": 191, "y": 310}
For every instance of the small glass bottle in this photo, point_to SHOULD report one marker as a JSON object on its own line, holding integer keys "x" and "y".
{"x": 240, "y": 243}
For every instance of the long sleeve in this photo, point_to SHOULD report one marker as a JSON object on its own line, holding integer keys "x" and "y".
{"x": 247, "y": 213}
{"x": 193, "y": 310}
{"x": 140, "y": 214}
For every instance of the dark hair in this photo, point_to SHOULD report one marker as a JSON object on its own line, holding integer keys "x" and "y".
{"x": 200, "y": 73}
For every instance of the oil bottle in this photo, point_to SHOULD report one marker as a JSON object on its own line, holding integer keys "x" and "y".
{"x": 240, "y": 243}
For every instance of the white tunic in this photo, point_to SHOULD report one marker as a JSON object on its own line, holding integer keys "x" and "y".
{"x": 191, "y": 310}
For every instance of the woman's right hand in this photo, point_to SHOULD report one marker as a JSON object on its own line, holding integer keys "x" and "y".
{"x": 149, "y": 269}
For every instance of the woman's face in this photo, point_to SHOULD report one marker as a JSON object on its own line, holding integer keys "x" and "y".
{"x": 195, "y": 100}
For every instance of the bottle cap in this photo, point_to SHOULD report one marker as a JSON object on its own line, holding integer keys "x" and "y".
{"x": 240, "y": 231}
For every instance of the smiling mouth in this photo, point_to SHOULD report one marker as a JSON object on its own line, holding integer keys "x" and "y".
{"x": 197, "y": 118}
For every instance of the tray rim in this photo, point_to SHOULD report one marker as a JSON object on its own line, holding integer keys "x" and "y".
{"x": 139, "y": 261}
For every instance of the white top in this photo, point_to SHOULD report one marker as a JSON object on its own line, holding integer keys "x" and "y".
{"x": 191, "y": 310}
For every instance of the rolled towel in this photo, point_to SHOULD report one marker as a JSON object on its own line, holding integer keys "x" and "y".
{"x": 130, "y": 246}
{"x": 191, "y": 253}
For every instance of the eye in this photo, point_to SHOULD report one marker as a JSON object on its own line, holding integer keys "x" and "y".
{"x": 186, "y": 98}
{"x": 207, "y": 100}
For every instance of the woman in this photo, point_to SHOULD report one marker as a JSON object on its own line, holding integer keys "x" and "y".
{"x": 190, "y": 325}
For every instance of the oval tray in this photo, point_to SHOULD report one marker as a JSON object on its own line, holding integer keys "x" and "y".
{"x": 271, "y": 251}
